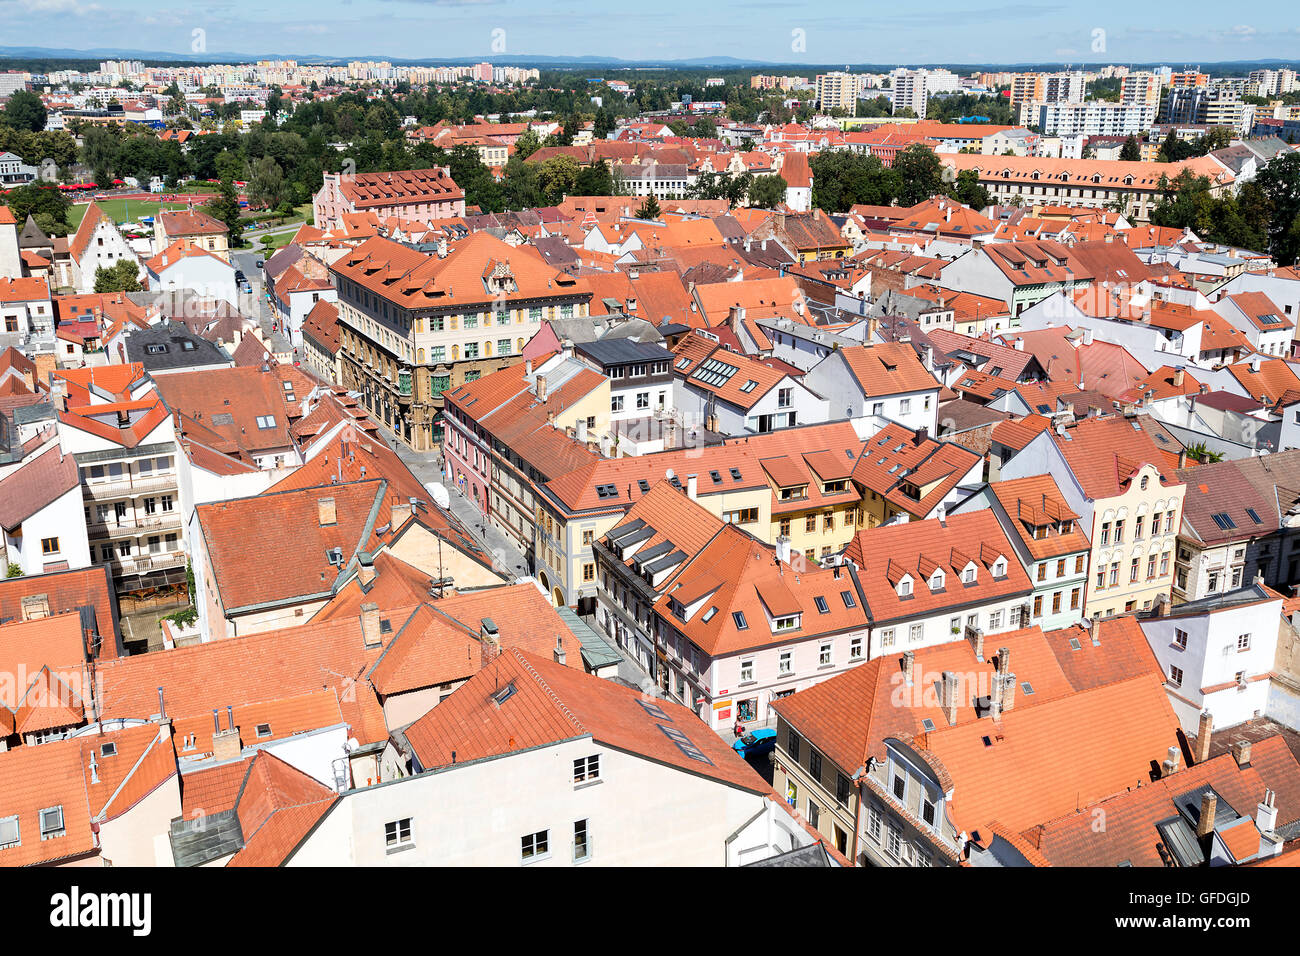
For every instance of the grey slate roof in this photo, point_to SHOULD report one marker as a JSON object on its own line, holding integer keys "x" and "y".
{"x": 170, "y": 345}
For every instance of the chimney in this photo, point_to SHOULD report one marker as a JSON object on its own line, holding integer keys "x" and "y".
{"x": 691, "y": 486}
{"x": 949, "y": 702}
{"x": 909, "y": 666}
{"x": 927, "y": 358}
{"x": 1162, "y": 605}
{"x": 921, "y": 435}
{"x": 1205, "y": 823}
{"x": 1178, "y": 376}
{"x": 1008, "y": 679}
{"x": 528, "y": 366}
{"x": 1019, "y": 344}
{"x": 370, "y": 624}
{"x": 976, "y": 638}
{"x": 1266, "y": 813}
{"x": 226, "y": 744}
{"x": 558, "y": 653}
{"x": 1203, "y": 732}
{"x": 580, "y": 431}
{"x": 400, "y": 511}
{"x": 1241, "y": 753}
{"x": 366, "y": 572}
{"x": 541, "y": 388}
{"x": 489, "y": 642}
{"x": 1170, "y": 766}
{"x": 327, "y": 513}
{"x": 783, "y": 549}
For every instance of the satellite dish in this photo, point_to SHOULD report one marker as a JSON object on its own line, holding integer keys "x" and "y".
{"x": 352, "y": 744}
{"x": 439, "y": 495}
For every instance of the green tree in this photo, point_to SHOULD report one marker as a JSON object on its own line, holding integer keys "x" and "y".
{"x": 1279, "y": 192}
{"x": 920, "y": 174}
{"x": 24, "y": 110}
{"x": 527, "y": 144}
{"x": 968, "y": 190}
{"x": 224, "y": 207}
{"x": 767, "y": 191}
{"x": 595, "y": 180}
{"x": 649, "y": 209}
{"x": 122, "y": 276}
{"x": 266, "y": 186}
{"x": 557, "y": 178}
{"x": 602, "y": 126}
{"x": 46, "y": 204}
{"x": 1131, "y": 151}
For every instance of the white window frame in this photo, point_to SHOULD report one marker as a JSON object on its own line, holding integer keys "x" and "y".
{"x": 586, "y": 770}
{"x": 529, "y": 853}
{"x": 399, "y": 835}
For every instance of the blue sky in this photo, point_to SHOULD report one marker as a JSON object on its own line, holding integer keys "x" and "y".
{"x": 942, "y": 31}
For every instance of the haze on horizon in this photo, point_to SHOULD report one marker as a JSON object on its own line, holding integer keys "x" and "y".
{"x": 1105, "y": 31}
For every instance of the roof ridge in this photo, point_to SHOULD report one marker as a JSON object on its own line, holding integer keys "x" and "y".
{"x": 546, "y": 688}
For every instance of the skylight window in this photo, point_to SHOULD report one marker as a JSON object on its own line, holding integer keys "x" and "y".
{"x": 847, "y": 597}
{"x": 739, "y": 618}
{"x": 265, "y": 421}
{"x": 643, "y": 484}
{"x": 1223, "y": 520}
{"x": 735, "y": 474}
{"x": 716, "y": 476}
{"x": 821, "y": 604}
{"x": 1254, "y": 516}
{"x": 749, "y": 386}
{"x": 606, "y": 491}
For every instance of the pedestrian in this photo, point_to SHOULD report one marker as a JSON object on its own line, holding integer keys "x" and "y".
{"x": 739, "y": 729}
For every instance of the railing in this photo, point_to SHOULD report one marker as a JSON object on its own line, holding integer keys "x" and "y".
{"x": 150, "y": 562}
{"x": 131, "y": 527}
{"x": 128, "y": 486}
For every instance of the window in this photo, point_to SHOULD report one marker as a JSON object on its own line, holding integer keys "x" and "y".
{"x": 642, "y": 399}
{"x": 894, "y": 844}
{"x": 792, "y": 745}
{"x": 995, "y": 620}
{"x": 1175, "y": 676}
{"x": 52, "y": 823}
{"x": 1105, "y": 533}
{"x": 1119, "y": 532}
{"x": 815, "y": 764}
{"x": 905, "y": 587}
{"x": 50, "y": 545}
{"x": 1074, "y": 598}
{"x": 927, "y": 811}
{"x": 9, "y": 833}
{"x": 1137, "y": 523}
{"x": 398, "y": 834}
{"x": 810, "y": 523}
{"x": 968, "y": 576}
{"x": 535, "y": 846}
{"x": 814, "y": 814}
{"x": 1079, "y": 564}
{"x": 1243, "y": 642}
{"x": 1180, "y": 639}
{"x": 824, "y": 654}
{"x": 581, "y": 842}
{"x": 588, "y": 572}
{"x": 616, "y": 403}
{"x": 855, "y": 649}
{"x": 586, "y": 769}
{"x": 747, "y": 671}
{"x": 915, "y": 633}
{"x": 785, "y": 664}
{"x": 1042, "y": 571}
{"x": 873, "y": 824}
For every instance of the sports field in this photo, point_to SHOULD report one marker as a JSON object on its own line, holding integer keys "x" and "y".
{"x": 121, "y": 209}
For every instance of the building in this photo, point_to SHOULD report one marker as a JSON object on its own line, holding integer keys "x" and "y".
{"x": 207, "y": 233}
{"x": 1140, "y": 89}
{"x": 1237, "y": 525}
{"x": 907, "y": 475}
{"x": 424, "y": 194}
{"x": 614, "y": 779}
{"x": 1047, "y": 538}
{"x": 639, "y": 373}
{"x": 1017, "y": 273}
{"x": 1217, "y": 655}
{"x": 886, "y": 380}
{"x": 97, "y": 244}
{"x": 187, "y": 266}
{"x": 1129, "y": 499}
{"x": 114, "y": 424}
{"x": 1094, "y": 118}
{"x": 412, "y": 326}
{"x": 726, "y": 623}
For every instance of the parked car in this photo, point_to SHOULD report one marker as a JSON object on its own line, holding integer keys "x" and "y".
{"x": 756, "y": 743}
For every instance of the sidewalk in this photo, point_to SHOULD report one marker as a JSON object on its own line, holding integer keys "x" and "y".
{"x": 427, "y": 466}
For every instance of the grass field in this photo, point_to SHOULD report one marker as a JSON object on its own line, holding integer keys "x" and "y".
{"x": 278, "y": 240}
{"x": 119, "y": 209}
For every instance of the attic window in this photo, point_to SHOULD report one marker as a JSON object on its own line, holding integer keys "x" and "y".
{"x": 927, "y": 724}
{"x": 847, "y": 597}
{"x": 108, "y": 750}
{"x": 1254, "y": 516}
{"x": 749, "y": 386}
{"x": 155, "y": 349}
{"x": 263, "y": 730}
{"x": 735, "y": 474}
{"x": 606, "y": 491}
{"x": 265, "y": 421}
{"x": 1074, "y": 644}
{"x": 1027, "y": 687}
{"x": 708, "y": 615}
{"x": 717, "y": 478}
{"x": 739, "y": 618}
{"x": 821, "y": 604}
{"x": 643, "y": 485}
{"x": 503, "y": 694}
{"x": 1223, "y": 520}
{"x": 52, "y": 823}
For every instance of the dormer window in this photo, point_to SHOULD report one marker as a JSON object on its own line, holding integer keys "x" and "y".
{"x": 905, "y": 587}
{"x": 999, "y": 569}
{"x": 968, "y": 576}
{"x": 790, "y": 622}
{"x": 936, "y": 581}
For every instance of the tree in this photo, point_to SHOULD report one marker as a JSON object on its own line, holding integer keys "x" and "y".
{"x": 842, "y": 179}
{"x": 24, "y": 110}
{"x": 225, "y": 208}
{"x": 471, "y": 175}
{"x": 1279, "y": 189}
{"x": 602, "y": 126}
{"x": 527, "y": 144}
{"x": 920, "y": 174}
{"x": 968, "y": 190}
{"x": 122, "y": 276}
{"x": 1131, "y": 151}
{"x": 767, "y": 191}
{"x": 557, "y": 178}
{"x": 46, "y": 204}
{"x": 266, "y": 187}
{"x": 595, "y": 180}
{"x": 649, "y": 209}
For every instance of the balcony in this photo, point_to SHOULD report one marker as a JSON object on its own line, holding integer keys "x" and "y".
{"x": 134, "y": 527}
{"x": 140, "y": 563}
{"x": 128, "y": 486}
